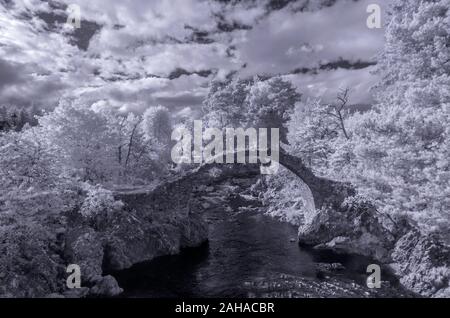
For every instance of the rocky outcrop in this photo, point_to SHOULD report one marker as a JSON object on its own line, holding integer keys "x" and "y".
{"x": 144, "y": 232}
{"x": 352, "y": 227}
{"x": 106, "y": 286}
{"x": 423, "y": 264}
{"x": 150, "y": 224}
{"x": 340, "y": 220}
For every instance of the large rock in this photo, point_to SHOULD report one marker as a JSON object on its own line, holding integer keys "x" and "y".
{"x": 132, "y": 239}
{"x": 352, "y": 227}
{"x": 151, "y": 226}
{"x": 106, "y": 286}
{"x": 423, "y": 263}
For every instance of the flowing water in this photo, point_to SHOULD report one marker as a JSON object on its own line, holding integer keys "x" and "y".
{"x": 250, "y": 254}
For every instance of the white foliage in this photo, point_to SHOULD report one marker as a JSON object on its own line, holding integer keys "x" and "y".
{"x": 99, "y": 202}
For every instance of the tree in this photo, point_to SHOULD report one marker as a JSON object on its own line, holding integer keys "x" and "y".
{"x": 3, "y": 113}
{"x": 142, "y": 142}
{"x": 34, "y": 112}
{"x": 156, "y": 125}
{"x": 311, "y": 133}
{"x": 250, "y": 103}
{"x": 338, "y": 110}
{"x": 83, "y": 140}
{"x": 317, "y": 130}
{"x": 225, "y": 104}
{"x": 395, "y": 153}
{"x": 25, "y": 162}
{"x": 23, "y": 119}
{"x": 416, "y": 52}
{"x": 399, "y": 146}
{"x": 269, "y": 103}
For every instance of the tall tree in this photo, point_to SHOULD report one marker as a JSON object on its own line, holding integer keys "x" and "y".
{"x": 251, "y": 103}
{"x": 400, "y": 144}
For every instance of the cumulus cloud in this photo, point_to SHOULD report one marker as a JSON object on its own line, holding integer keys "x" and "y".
{"x": 143, "y": 53}
{"x": 287, "y": 40}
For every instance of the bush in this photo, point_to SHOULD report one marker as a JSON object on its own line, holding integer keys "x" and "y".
{"x": 99, "y": 205}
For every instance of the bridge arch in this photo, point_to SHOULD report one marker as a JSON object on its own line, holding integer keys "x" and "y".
{"x": 175, "y": 194}
{"x": 325, "y": 192}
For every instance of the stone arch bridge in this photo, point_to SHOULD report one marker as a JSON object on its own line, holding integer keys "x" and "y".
{"x": 163, "y": 220}
{"x": 332, "y": 217}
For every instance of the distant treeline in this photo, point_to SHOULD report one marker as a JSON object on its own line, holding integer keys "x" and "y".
{"x": 13, "y": 118}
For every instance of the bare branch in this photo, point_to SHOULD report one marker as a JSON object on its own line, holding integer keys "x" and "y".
{"x": 342, "y": 97}
{"x": 130, "y": 145}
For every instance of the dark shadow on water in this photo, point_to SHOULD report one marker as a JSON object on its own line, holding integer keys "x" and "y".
{"x": 164, "y": 276}
{"x": 243, "y": 246}
{"x": 355, "y": 265}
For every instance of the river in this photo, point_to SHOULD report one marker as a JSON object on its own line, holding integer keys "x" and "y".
{"x": 250, "y": 254}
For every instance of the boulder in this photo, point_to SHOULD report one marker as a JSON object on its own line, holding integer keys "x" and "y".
{"x": 132, "y": 239}
{"x": 353, "y": 227}
{"x": 143, "y": 232}
{"x": 423, "y": 263}
{"x": 106, "y": 286}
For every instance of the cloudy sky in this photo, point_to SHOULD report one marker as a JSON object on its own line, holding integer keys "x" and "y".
{"x": 138, "y": 53}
